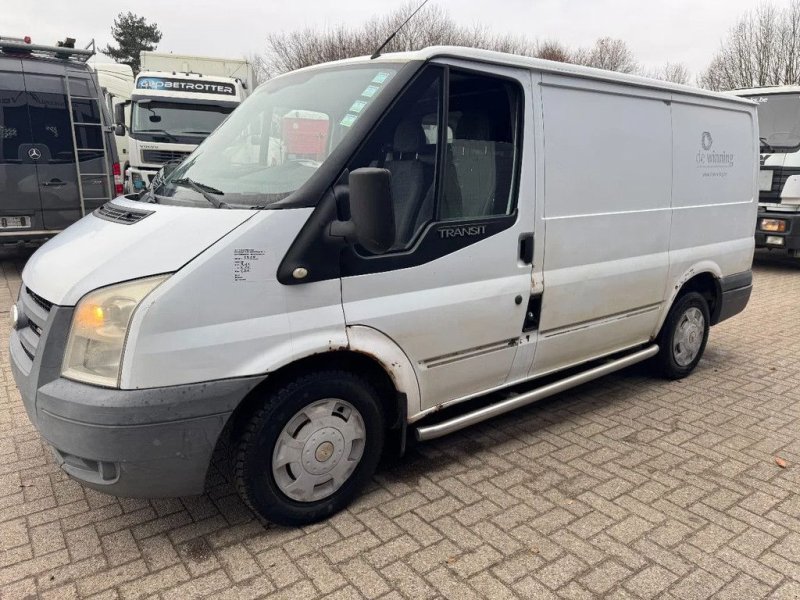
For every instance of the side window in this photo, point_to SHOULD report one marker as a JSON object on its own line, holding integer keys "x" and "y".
{"x": 50, "y": 119}
{"x": 471, "y": 178}
{"x": 406, "y": 144}
{"x": 482, "y": 115}
{"x": 15, "y": 128}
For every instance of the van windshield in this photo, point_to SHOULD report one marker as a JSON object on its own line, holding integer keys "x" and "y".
{"x": 778, "y": 120}
{"x": 275, "y": 140}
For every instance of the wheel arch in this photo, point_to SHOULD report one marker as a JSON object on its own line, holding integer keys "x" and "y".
{"x": 703, "y": 278}
{"x": 369, "y": 354}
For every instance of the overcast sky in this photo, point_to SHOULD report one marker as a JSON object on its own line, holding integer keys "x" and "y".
{"x": 687, "y": 31}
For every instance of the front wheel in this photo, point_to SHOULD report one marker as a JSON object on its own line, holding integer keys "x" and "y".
{"x": 683, "y": 337}
{"x": 310, "y": 448}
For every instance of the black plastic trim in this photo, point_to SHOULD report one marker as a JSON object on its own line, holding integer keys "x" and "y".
{"x": 734, "y": 296}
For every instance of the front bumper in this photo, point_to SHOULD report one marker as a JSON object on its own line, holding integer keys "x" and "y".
{"x": 141, "y": 443}
{"x": 790, "y": 239}
{"x": 155, "y": 442}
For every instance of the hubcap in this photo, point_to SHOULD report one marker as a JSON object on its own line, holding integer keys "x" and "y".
{"x": 318, "y": 450}
{"x": 688, "y": 336}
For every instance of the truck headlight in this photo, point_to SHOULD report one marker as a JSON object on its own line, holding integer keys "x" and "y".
{"x": 99, "y": 328}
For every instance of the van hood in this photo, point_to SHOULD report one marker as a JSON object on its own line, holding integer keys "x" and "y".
{"x": 96, "y": 251}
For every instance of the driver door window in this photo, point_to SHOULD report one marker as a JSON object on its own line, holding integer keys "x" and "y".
{"x": 463, "y": 175}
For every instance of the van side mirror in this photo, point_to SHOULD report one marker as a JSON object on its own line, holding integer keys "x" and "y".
{"x": 119, "y": 119}
{"x": 371, "y": 208}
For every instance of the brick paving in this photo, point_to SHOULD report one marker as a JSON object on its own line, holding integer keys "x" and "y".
{"x": 629, "y": 487}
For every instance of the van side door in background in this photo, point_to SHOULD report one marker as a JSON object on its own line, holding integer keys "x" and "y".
{"x": 453, "y": 291}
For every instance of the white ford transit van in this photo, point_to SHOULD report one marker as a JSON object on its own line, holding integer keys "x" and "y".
{"x": 477, "y": 221}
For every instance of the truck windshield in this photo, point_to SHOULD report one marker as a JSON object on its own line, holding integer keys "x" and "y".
{"x": 778, "y": 120}
{"x": 177, "y": 118}
{"x": 279, "y": 136}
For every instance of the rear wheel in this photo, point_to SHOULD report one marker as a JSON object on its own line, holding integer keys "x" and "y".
{"x": 683, "y": 337}
{"x": 310, "y": 448}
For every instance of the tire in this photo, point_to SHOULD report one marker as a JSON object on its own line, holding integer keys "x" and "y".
{"x": 683, "y": 337}
{"x": 310, "y": 448}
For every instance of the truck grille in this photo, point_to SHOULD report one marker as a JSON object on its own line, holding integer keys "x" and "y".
{"x": 118, "y": 214}
{"x": 35, "y": 311}
{"x": 779, "y": 177}
{"x": 160, "y": 157}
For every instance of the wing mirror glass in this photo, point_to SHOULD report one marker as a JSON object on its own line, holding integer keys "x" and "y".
{"x": 371, "y": 209}
{"x": 119, "y": 119}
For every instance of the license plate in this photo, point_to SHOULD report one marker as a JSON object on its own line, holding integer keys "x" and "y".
{"x": 15, "y": 222}
{"x": 765, "y": 181}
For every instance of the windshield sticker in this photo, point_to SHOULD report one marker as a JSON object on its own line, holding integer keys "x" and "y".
{"x": 249, "y": 264}
{"x": 381, "y": 77}
{"x": 357, "y": 106}
{"x": 348, "y": 120}
{"x": 370, "y": 91}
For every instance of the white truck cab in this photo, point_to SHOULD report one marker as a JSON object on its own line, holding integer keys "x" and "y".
{"x": 172, "y": 111}
{"x": 481, "y": 231}
{"x": 778, "y": 225}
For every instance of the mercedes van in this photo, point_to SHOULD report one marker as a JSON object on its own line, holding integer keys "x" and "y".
{"x": 57, "y": 156}
{"x": 482, "y": 231}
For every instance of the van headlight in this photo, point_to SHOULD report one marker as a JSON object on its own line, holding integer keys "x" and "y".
{"x": 99, "y": 328}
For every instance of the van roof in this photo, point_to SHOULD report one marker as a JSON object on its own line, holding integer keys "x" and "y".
{"x": 538, "y": 64}
{"x": 763, "y": 91}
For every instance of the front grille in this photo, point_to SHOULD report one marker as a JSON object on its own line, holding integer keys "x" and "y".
{"x": 162, "y": 156}
{"x": 779, "y": 177}
{"x": 119, "y": 214}
{"x": 35, "y": 313}
{"x": 47, "y": 306}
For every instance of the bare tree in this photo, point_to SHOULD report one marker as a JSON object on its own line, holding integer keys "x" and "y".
{"x": 674, "y": 72}
{"x": 607, "y": 53}
{"x": 554, "y": 50}
{"x": 763, "y": 48}
{"x": 431, "y": 26}
{"x": 260, "y": 69}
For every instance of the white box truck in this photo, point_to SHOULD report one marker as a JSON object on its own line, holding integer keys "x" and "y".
{"x": 442, "y": 262}
{"x": 116, "y": 83}
{"x": 177, "y": 101}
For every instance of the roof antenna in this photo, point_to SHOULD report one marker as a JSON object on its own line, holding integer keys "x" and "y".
{"x": 377, "y": 52}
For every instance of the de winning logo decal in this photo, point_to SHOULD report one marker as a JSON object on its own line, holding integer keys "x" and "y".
{"x": 706, "y": 141}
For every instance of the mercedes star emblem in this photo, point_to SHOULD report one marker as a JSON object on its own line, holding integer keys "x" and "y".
{"x": 35, "y": 153}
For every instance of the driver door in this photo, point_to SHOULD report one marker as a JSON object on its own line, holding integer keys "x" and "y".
{"x": 454, "y": 289}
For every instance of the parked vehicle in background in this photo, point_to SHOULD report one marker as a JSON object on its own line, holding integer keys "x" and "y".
{"x": 444, "y": 249}
{"x": 778, "y": 225}
{"x": 176, "y": 102}
{"x": 116, "y": 82}
{"x": 57, "y": 156}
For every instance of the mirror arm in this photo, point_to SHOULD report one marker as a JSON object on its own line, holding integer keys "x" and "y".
{"x": 344, "y": 231}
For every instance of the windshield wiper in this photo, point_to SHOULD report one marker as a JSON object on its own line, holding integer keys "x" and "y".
{"x": 206, "y": 191}
{"x": 766, "y": 145}
{"x": 161, "y": 131}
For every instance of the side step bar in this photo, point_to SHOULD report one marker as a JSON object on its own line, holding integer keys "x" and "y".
{"x": 430, "y": 432}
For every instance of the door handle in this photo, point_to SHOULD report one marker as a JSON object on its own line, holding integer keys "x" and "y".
{"x": 526, "y": 248}
{"x": 54, "y": 183}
